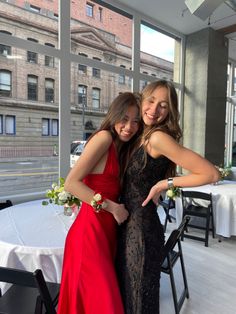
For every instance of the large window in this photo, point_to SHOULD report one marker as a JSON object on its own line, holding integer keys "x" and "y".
{"x": 158, "y": 49}
{"x": 90, "y": 65}
{"x": 32, "y": 87}
{"x": 5, "y": 83}
{"x": 230, "y": 125}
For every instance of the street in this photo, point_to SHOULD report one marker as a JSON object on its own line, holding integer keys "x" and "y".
{"x": 35, "y": 175}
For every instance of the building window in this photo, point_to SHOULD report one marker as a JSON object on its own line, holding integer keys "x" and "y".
{"x": 5, "y": 83}
{"x": 4, "y": 49}
{"x": 45, "y": 127}
{"x": 55, "y": 127}
{"x": 121, "y": 79}
{"x": 49, "y": 90}
{"x": 1, "y": 125}
{"x": 96, "y": 98}
{"x": 82, "y": 95}
{"x": 100, "y": 14}
{"x": 89, "y": 9}
{"x": 82, "y": 68}
{"x": 32, "y": 87}
{"x": 50, "y": 127}
{"x": 32, "y": 57}
{"x": 34, "y": 8}
{"x": 96, "y": 72}
{"x": 49, "y": 60}
{"x": 10, "y": 125}
{"x": 7, "y": 124}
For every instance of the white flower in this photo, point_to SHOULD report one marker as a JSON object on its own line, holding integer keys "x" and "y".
{"x": 97, "y": 197}
{"x": 54, "y": 185}
{"x": 170, "y": 193}
{"x": 64, "y": 196}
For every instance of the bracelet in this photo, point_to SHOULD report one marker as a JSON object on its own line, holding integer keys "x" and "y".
{"x": 170, "y": 183}
{"x": 98, "y": 202}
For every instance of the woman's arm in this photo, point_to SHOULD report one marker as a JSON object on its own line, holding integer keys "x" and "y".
{"x": 201, "y": 171}
{"x": 93, "y": 160}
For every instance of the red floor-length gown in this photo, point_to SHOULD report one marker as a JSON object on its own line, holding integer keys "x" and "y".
{"x": 89, "y": 283}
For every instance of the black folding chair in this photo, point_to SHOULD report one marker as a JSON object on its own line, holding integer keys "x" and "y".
{"x": 29, "y": 293}
{"x": 6, "y": 204}
{"x": 198, "y": 204}
{"x": 170, "y": 257}
{"x": 167, "y": 204}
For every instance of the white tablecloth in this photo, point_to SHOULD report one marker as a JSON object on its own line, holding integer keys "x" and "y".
{"x": 32, "y": 236}
{"x": 224, "y": 206}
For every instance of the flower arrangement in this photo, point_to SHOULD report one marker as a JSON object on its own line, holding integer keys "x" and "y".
{"x": 224, "y": 171}
{"x": 173, "y": 192}
{"x": 57, "y": 195}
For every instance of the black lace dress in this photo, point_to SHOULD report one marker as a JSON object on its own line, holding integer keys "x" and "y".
{"x": 141, "y": 237}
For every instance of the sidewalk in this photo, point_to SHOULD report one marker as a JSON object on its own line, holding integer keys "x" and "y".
{"x": 27, "y": 159}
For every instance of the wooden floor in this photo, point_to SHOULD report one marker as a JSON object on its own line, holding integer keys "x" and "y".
{"x": 211, "y": 275}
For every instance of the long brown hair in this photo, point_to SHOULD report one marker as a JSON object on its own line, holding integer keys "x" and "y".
{"x": 169, "y": 125}
{"x": 115, "y": 114}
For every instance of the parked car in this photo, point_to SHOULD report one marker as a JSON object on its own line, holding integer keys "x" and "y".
{"x": 76, "y": 150}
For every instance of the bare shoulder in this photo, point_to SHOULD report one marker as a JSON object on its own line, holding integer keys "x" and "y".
{"x": 101, "y": 139}
{"x": 159, "y": 137}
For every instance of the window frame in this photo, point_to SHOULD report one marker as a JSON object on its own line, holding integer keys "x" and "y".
{"x": 31, "y": 76}
{"x": 5, "y": 94}
{"x": 13, "y": 126}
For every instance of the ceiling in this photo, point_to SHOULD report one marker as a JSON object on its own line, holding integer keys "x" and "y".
{"x": 176, "y": 15}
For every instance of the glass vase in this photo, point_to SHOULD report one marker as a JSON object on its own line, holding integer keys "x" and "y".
{"x": 68, "y": 210}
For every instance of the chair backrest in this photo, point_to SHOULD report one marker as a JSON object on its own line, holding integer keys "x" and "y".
{"x": 195, "y": 196}
{"x": 29, "y": 279}
{"x": 6, "y": 204}
{"x": 175, "y": 237}
{"x": 167, "y": 202}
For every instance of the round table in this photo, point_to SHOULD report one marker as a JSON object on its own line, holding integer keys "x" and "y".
{"x": 32, "y": 236}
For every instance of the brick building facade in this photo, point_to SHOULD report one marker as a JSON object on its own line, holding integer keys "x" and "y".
{"x": 29, "y": 84}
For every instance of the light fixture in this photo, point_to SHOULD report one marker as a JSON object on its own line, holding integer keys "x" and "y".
{"x": 202, "y": 8}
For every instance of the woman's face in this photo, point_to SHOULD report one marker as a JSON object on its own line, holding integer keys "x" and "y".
{"x": 129, "y": 125}
{"x": 155, "y": 107}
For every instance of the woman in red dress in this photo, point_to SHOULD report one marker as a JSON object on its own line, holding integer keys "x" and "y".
{"x": 89, "y": 284}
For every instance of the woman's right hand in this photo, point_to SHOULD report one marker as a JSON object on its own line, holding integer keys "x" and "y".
{"x": 118, "y": 211}
{"x": 120, "y": 214}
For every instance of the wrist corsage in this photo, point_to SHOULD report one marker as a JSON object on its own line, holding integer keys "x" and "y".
{"x": 173, "y": 192}
{"x": 98, "y": 202}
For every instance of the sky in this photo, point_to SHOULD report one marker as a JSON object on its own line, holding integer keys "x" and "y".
{"x": 157, "y": 44}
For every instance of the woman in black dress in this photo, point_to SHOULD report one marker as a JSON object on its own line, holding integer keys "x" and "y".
{"x": 151, "y": 170}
